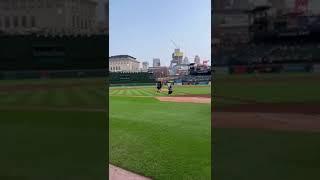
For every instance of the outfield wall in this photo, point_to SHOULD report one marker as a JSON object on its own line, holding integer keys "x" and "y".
{"x": 7, "y": 75}
{"x": 221, "y": 70}
{"x": 132, "y": 84}
{"x": 131, "y": 78}
{"x": 272, "y": 68}
{"x": 316, "y": 68}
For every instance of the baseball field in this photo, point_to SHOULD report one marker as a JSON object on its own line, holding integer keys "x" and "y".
{"x": 266, "y": 126}
{"x": 53, "y": 129}
{"x": 158, "y": 136}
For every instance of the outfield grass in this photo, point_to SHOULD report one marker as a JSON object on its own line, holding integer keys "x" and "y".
{"x": 78, "y": 97}
{"x": 161, "y": 140}
{"x": 286, "y": 88}
{"x": 38, "y": 143}
{"x": 151, "y": 90}
{"x": 245, "y": 154}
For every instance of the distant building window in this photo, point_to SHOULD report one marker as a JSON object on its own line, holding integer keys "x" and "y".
{"x": 33, "y": 21}
{"x": 24, "y": 21}
{"x": 6, "y": 4}
{"x": 14, "y": 4}
{"x": 73, "y": 21}
{"x": 15, "y": 22}
{"x": 78, "y": 22}
{"x": 49, "y": 4}
{"x": 31, "y": 4}
{"x": 23, "y": 4}
{"x": 7, "y": 22}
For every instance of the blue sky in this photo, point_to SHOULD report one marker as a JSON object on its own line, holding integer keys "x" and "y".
{"x": 143, "y": 28}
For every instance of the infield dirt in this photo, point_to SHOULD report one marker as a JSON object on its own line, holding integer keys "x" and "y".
{"x": 303, "y": 117}
{"x": 116, "y": 173}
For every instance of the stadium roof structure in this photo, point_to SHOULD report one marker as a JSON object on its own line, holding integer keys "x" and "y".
{"x": 118, "y": 57}
{"x": 121, "y": 56}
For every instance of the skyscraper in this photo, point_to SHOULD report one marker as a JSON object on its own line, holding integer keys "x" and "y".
{"x": 145, "y": 66}
{"x": 197, "y": 59}
{"x": 156, "y": 62}
{"x": 186, "y": 60}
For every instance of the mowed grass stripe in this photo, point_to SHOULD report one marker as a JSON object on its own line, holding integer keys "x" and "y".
{"x": 120, "y": 92}
{"x": 75, "y": 99}
{"x": 14, "y": 98}
{"x": 100, "y": 100}
{"x": 145, "y": 93}
{"x": 151, "y": 91}
{"x": 36, "y": 98}
{"x": 100, "y": 92}
{"x": 24, "y": 99}
{"x": 49, "y": 98}
{"x": 136, "y": 92}
{"x": 129, "y": 92}
{"x": 40, "y": 98}
{"x": 59, "y": 98}
{"x": 85, "y": 98}
{"x": 113, "y": 92}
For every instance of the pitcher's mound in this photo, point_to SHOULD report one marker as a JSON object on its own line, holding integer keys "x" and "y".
{"x": 116, "y": 173}
{"x": 204, "y": 100}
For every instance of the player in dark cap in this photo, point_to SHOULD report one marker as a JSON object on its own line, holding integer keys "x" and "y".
{"x": 159, "y": 86}
{"x": 170, "y": 88}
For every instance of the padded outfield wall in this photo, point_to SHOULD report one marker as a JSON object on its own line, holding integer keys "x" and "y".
{"x": 51, "y": 74}
{"x": 123, "y": 78}
{"x": 34, "y": 52}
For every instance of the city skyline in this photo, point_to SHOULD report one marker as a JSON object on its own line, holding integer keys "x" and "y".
{"x": 145, "y": 29}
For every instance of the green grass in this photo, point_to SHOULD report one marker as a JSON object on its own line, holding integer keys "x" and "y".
{"x": 157, "y": 139}
{"x": 151, "y": 90}
{"x": 245, "y": 154}
{"x": 38, "y": 143}
{"x": 52, "y": 145}
{"x": 268, "y": 88}
{"x": 52, "y": 81}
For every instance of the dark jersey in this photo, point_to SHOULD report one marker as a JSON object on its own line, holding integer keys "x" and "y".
{"x": 159, "y": 85}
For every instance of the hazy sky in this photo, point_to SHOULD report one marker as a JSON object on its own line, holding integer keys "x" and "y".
{"x": 143, "y": 28}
